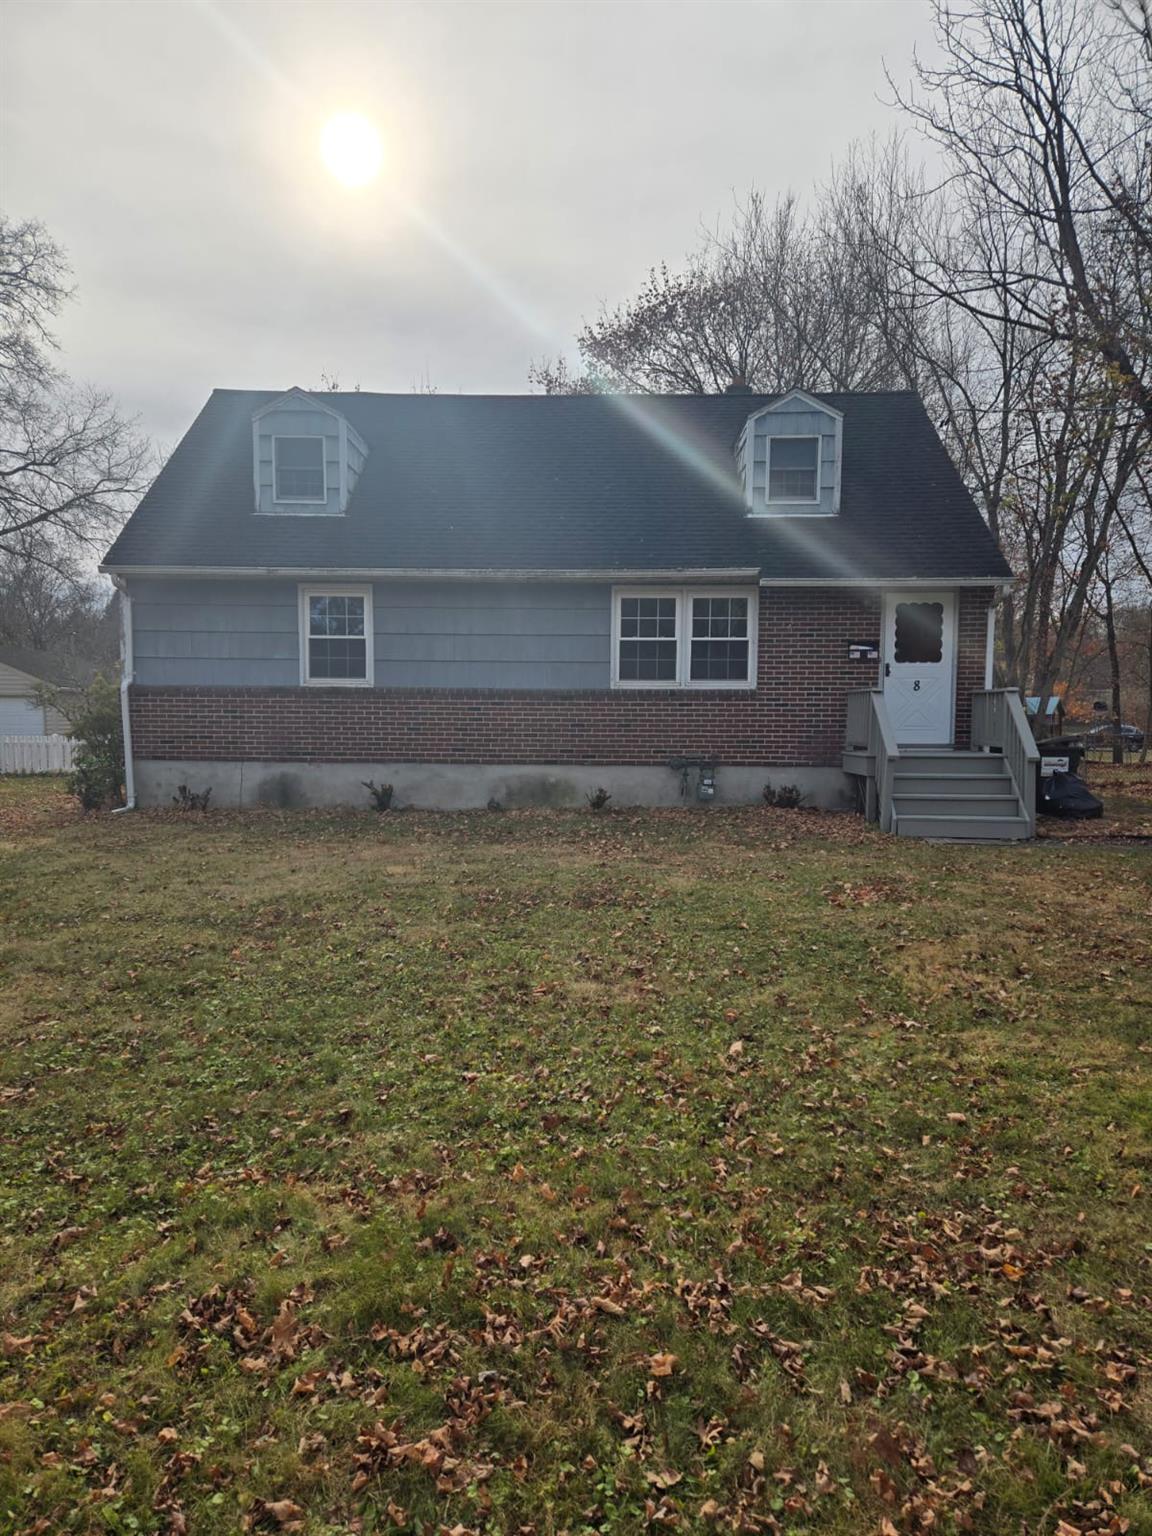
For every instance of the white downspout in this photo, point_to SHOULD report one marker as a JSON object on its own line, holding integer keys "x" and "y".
{"x": 990, "y": 648}
{"x": 127, "y": 672}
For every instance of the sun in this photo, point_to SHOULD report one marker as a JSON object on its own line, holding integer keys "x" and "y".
{"x": 350, "y": 147}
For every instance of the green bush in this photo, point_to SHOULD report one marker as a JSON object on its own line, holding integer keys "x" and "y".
{"x": 97, "y": 778}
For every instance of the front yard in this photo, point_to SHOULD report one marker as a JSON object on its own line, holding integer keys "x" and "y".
{"x": 543, "y": 1172}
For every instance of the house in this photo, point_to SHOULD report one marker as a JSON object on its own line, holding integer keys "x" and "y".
{"x": 526, "y": 597}
{"x": 1053, "y": 722}
{"x": 24, "y": 674}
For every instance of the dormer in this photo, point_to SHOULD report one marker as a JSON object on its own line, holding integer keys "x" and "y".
{"x": 788, "y": 456}
{"x": 306, "y": 457}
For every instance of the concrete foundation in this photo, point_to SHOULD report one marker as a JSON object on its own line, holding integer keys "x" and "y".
{"x": 457, "y": 787}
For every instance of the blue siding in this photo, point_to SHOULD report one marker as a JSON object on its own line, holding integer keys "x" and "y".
{"x": 794, "y": 418}
{"x": 427, "y": 634}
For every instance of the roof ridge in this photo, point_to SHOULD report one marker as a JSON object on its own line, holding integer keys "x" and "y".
{"x": 414, "y": 395}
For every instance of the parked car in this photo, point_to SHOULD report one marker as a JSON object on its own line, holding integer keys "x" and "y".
{"x": 1131, "y": 737}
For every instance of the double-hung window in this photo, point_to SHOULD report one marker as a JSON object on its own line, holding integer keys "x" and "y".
{"x": 794, "y": 469}
{"x": 648, "y": 650}
{"x": 721, "y": 639}
{"x": 681, "y": 637}
{"x": 336, "y": 636}
{"x": 298, "y": 469}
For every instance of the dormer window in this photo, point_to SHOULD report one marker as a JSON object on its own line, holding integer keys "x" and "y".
{"x": 794, "y": 469}
{"x": 298, "y": 469}
{"x": 788, "y": 457}
{"x": 306, "y": 457}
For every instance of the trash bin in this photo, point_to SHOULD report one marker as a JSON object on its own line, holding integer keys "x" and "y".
{"x": 1060, "y": 791}
{"x": 1069, "y": 747}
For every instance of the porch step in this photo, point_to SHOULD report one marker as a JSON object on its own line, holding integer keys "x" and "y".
{"x": 977, "y": 829}
{"x": 906, "y": 783}
{"x": 956, "y": 804}
{"x": 943, "y": 761}
{"x": 934, "y": 791}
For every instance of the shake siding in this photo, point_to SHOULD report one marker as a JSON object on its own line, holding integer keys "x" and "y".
{"x": 793, "y": 419}
{"x": 236, "y": 633}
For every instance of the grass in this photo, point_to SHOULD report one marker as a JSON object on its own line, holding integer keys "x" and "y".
{"x": 723, "y": 1171}
{"x": 1126, "y": 792}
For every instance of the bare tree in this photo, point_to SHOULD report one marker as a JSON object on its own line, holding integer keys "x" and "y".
{"x": 69, "y": 462}
{"x": 57, "y": 606}
{"x": 1033, "y": 250}
{"x": 1042, "y": 111}
{"x": 556, "y": 376}
{"x": 767, "y": 299}
{"x": 1136, "y": 14}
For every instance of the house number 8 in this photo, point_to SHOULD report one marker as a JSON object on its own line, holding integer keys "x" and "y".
{"x": 916, "y": 686}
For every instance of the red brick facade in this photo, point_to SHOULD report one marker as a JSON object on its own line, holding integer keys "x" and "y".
{"x": 794, "y": 716}
{"x": 971, "y": 648}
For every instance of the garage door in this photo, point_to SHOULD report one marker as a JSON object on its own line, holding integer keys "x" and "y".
{"x": 21, "y": 717}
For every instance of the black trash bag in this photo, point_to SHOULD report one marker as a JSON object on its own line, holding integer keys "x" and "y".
{"x": 1065, "y": 794}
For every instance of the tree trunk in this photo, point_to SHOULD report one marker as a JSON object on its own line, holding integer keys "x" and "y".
{"x": 1114, "y": 671}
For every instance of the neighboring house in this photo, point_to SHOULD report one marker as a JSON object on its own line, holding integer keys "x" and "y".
{"x": 1053, "y": 722}
{"x": 23, "y": 673}
{"x": 525, "y": 597}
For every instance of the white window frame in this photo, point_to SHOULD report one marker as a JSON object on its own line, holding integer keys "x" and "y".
{"x": 684, "y": 596}
{"x": 306, "y": 593}
{"x": 300, "y": 501}
{"x": 791, "y": 501}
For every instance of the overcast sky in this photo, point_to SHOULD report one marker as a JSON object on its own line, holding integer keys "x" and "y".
{"x": 540, "y": 156}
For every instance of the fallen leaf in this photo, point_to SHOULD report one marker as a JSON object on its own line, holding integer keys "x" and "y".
{"x": 289, "y": 1516}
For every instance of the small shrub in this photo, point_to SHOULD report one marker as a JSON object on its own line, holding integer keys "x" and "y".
{"x": 598, "y": 798}
{"x": 788, "y": 797}
{"x": 97, "y": 777}
{"x": 381, "y": 794}
{"x": 188, "y": 800}
{"x": 494, "y": 804}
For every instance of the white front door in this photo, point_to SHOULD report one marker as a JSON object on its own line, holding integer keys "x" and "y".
{"x": 919, "y": 666}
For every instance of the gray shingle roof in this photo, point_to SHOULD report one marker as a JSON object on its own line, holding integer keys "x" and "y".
{"x": 566, "y": 483}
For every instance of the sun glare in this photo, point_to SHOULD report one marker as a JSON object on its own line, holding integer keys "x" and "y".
{"x": 351, "y": 149}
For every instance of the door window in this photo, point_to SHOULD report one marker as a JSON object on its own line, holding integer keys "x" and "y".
{"x": 919, "y": 633}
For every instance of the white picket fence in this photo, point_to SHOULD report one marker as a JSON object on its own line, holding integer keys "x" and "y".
{"x": 36, "y": 754}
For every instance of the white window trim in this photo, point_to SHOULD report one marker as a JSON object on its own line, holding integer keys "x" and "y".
{"x": 300, "y": 501}
{"x": 368, "y": 680}
{"x": 684, "y": 596}
{"x": 791, "y": 501}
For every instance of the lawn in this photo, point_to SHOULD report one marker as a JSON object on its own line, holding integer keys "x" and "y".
{"x": 1126, "y": 793}
{"x": 541, "y": 1172}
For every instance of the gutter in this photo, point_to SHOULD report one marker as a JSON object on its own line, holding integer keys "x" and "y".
{"x": 1004, "y": 583}
{"x": 127, "y": 674}
{"x": 675, "y": 573}
{"x": 461, "y": 573}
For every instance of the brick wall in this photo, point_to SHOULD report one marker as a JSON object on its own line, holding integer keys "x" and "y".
{"x": 795, "y": 715}
{"x": 971, "y": 641}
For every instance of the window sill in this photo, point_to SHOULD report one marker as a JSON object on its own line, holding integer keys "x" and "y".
{"x": 337, "y": 682}
{"x": 712, "y": 687}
